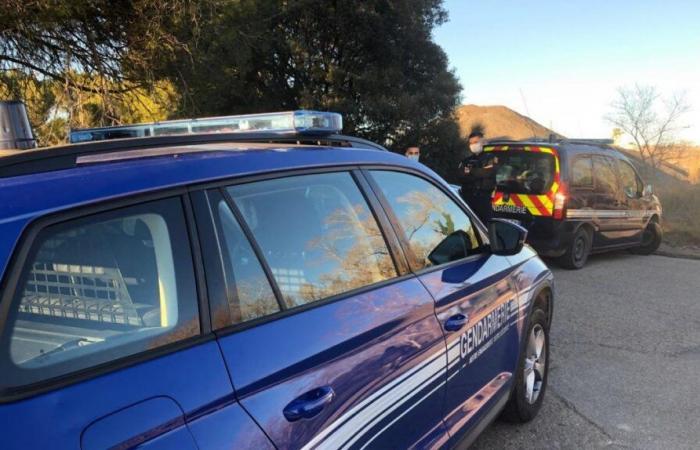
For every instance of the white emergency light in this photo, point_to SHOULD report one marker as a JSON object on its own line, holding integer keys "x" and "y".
{"x": 289, "y": 122}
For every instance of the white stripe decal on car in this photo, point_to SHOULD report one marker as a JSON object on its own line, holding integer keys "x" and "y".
{"x": 358, "y": 409}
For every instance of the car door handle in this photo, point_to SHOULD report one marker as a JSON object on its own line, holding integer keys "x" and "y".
{"x": 309, "y": 404}
{"x": 456, "y": 322}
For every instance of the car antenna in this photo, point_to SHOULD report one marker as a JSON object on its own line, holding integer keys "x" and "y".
{"x": 527, "y": 110}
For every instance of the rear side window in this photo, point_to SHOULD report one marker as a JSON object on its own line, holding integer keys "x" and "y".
{"x": 100, "y": 288}
{"x": 582, "y": 172}
{"x": 316, "y": 233}
{"x": 604, "y": 173}
{"x": 250, "y": 294}
{"x": 437, "y": 229}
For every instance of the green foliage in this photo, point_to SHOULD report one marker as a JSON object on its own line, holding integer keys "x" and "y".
{"x": 89, "y": 63}
{"x": 373, "y": 61}
{"x": 55, "y": 107}
{"x": 119, "y": 41}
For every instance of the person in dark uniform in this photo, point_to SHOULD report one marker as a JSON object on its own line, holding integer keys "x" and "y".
{"x": 477, "y": 175}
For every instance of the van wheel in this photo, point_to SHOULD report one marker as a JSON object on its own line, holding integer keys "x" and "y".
{"x": 531, "y": 375}
{"x": 651, "y": 239}
{"x": 577, "y": 253}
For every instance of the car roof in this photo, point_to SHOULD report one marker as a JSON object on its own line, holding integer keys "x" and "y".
{"x": 24, "y": 198}
{"x": 116, "y": 174}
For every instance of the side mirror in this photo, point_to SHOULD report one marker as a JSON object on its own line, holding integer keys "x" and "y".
{"x": 648, "y": 191}
{"x": 506, "y": 238}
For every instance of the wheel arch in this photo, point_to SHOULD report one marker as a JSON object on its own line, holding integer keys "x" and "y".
{"x": 544, "y": 300}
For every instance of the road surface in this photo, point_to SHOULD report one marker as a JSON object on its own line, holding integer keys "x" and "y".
{"x": 625, "y": 367}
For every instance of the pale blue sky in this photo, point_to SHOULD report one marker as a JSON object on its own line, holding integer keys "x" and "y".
{"x": 568, "y": 57}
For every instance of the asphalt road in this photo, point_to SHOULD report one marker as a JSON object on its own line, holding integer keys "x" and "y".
{"x": 625, "y": 367}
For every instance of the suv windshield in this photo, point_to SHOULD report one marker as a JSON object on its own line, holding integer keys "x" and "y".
{"x": 524, "y": 172}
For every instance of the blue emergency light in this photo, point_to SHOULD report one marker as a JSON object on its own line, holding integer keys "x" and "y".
{"x": 289, "y": 122}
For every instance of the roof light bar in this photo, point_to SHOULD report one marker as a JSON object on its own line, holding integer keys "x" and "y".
{"x": 289, "y": 122}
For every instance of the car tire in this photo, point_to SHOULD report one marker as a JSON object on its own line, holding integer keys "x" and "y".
{"x": 578, "y": 251}
{"x": 530, "y": 382}
{"x": 651, "y": 239}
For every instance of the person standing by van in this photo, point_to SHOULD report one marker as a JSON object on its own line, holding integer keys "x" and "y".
{"x": 477, "y": 176}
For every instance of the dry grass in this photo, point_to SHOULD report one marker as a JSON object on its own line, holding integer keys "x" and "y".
{"x": 681, "y": 214}
{"x": 499, "y": 122}
{"x": 690, "y": 161}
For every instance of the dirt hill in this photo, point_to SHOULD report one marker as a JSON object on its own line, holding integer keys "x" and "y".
{"x": 499, "y": 122}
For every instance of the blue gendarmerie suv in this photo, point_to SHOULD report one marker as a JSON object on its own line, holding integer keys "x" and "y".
{"x": 257, "y": 282}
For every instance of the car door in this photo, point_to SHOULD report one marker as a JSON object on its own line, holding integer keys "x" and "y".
{"x": 610, "y": 205}
{"x": 476, "y": 303}
{"x": 637, "y": 212}
{"x": 102, "y": 341}
{"x": 330, "y": 341}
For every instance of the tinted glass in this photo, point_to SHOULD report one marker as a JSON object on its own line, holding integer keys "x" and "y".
{"x": 437, "y": 229}
{"x": 316, "y": 233}
{"x": 100, "y": 288}
{"x": 630, "y": 183}
{"x": 605, "y": 178}
{"x": 250, "y": 293}
{"x": 524, "y": 172}
{"x": 582, "y": 171}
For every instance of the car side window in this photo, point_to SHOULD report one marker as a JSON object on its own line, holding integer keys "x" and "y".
{"x": 250, "y": 294}
{"x": 582, "y": 172}
{"x": 99, "y": 288}
{"x": 631, "y": 184}
{"x": 605, "y": 178}
{"x": 437, "y": 229}
{"x": 316, "y": 233}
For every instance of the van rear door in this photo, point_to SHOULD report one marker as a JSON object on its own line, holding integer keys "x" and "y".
{"x": 527, "y": 178}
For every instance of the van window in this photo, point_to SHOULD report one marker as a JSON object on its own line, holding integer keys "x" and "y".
{"x": 100, "y": 288}
{"x": 604, "y": 173}
{"x": 524, "y": 172}
{"x": 582, "y": 172}
{"x": 250, "y": 294}
{"x": 316, "y": 233}
{"x": 437, "y": 229}
{"x": 631, "y": 184}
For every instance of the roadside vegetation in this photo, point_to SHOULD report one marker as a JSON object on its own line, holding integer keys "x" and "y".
{"x": 97, "y": 63}
{"x": 681, "y": 215}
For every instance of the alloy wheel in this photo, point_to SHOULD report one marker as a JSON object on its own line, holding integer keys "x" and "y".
{"x": 535, "y": 363}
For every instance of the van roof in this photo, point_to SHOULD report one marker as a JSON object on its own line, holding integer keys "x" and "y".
{"x": 594, "y": 146}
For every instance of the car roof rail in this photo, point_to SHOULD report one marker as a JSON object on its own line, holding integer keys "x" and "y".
{"x": 553, "y": 139}
{"x": 588, "y": 141}
{"x": 49, "y": 159}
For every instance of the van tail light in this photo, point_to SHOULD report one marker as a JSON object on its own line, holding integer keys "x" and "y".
{"x": 560, "y": 204}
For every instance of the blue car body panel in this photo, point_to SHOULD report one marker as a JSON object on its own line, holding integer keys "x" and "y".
{"x": 481, "y": 353}
{"x": 362, "y": 347}
{"x": 399, "y": 379}
{"x": 133, "y": 405}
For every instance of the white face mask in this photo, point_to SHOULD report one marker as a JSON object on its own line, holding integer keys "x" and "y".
{"x": 476, "y": 148}
{"x": 413, "y": 157}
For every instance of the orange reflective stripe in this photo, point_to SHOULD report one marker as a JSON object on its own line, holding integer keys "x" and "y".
{"x": 540, "y": 207}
